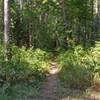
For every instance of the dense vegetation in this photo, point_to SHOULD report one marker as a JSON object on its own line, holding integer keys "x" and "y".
{"x": 32, "y": 32}
{"x": 80, "y": 68}
{"x": 25, "y": 64}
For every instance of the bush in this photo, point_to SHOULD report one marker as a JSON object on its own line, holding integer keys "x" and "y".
{"x": 25, "y": 64}
{"x": 79, "y": 66}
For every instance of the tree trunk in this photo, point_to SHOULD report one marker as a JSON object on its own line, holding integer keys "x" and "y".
{"x": 6, "y": 29}
{"x": 65, "y": 23}
{"x": 20, "y": 2}
{"x": 95, "y": 20}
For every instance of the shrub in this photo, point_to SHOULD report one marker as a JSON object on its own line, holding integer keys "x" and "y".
{"x": 25, "y": 63}
{"x": 79, "y": 66}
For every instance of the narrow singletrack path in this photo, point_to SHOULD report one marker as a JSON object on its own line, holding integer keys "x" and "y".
{"x": 49, "y": 91}
{"x": 52, "y": 88}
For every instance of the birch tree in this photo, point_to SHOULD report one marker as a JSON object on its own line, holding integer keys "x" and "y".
{"x": 6, "y": 28}
{"x": 96, "y": 21}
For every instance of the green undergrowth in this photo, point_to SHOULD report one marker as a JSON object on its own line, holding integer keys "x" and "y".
{"x": 80, "y": 68}
{"x": 27, "y": 65}
{"x": 20, "y": 91}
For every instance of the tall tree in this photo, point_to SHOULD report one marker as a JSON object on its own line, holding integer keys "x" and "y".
{"x": 96, "y": 12}
{"x": 96, "y": 21}
{"x": 6, "y": 28}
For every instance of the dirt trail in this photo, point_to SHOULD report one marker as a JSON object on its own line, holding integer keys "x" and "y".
{"x": 50, "y": 87}
{"x": 53, "y": 90}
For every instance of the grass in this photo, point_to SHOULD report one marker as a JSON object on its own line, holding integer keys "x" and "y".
{"x": 80, "y": 68}
{"x": 20, "y": 91}
{"x": 22, "y": 75}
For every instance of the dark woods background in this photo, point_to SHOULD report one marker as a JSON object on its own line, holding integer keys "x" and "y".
{"x": 52, "y": 23}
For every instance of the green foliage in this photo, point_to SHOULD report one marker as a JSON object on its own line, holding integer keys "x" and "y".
{"x": 20, "y": 91}
{"x": 62, "y": 21}
{"x": 51, "y": 24}
{"x": 79, "y": 67}
{"x": 24, "y": 64}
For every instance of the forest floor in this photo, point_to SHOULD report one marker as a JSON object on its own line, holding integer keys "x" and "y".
{"x": 51, "y": 89}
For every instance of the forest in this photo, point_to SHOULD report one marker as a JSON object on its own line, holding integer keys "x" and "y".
{"x": 49, "y": 50}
